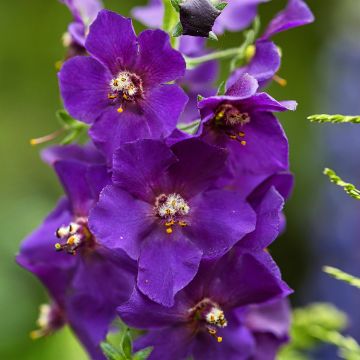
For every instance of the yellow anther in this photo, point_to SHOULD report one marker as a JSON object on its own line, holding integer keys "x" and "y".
{"x": 232, "y": 137}
{"x": 120, "y": 110}
{"x": 250, "y": 52}
{"x": 170, "y": 223}
{"x": 169, "y": 230}
{"x": 116, "y": 83}
{"x": 220, "y": 115}
{"x": 282, "y": 82}
{"x": 112, "y": 96}
{"x": 241, "y": 134}
{"x": 182, "y": 223}
{"x": 243, "y": 142}
{"x": 70, "y": 240}
{"x": 57, "y": 246}
{"x": 125, "y": 97}
{"x": 219, "y": 339}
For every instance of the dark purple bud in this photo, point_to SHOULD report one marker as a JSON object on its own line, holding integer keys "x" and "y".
{"x": 197, "y": 17}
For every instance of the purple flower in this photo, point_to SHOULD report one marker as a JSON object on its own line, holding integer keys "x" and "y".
{"x": 86, "y": 288}
{"x": 84, "y": 13}
{"x": 210, "y": 319}
{"x": 121, "y": 88}
{"x": 242, "y": 121}
{"x": 267, "y": 59}
{"x": 165, "y": 211}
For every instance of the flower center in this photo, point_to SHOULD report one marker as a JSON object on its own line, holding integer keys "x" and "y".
{"x": 126, "y": 87}
{"x": 74, "y": 236}
{"x": 50, "y": 319}
{"x": 209, "y": 315}
{"x": 228, "y": 119}
{"x": 172, "y": 209}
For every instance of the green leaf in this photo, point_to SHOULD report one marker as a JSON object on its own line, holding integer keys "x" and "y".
{"x": 175, "y": 4}
{"x": 191, "y": 128}
{"x": 126, "y": 343}
{"x": 143, "y": 354}
{"x": 343, "y": 276}
{"x": 350, "y": 189}
{"x": 171, "y": 17}
{"x": 334, "y": 119}
{"x": 111, "y": 352}
{"x": 65, "y": 119}
{"x": 221, "y": 6}
{"x": 221, "y": 89}
{"x": 178, "y": 30}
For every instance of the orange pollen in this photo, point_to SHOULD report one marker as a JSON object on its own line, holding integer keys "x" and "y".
{"x": 243, "y": 142}
{"x": 120, "y": 110}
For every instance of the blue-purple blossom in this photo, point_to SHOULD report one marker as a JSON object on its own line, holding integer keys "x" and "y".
{"x": 214, "y": 316}
{"x": 242, "y": 122}
{"x": 120, "y": 89}
{"x": 85, "y": 280}
{"x": 165, "y": 211}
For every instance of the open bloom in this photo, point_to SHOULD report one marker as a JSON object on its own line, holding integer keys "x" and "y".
{"x": 85, "y": 280}
{"x": 242, "y": 121}
{"x": 120, "y": 88}
{"x": 211, "y": 317}
{"x": 165, "y": 211}
{"x": 265, "y": 62}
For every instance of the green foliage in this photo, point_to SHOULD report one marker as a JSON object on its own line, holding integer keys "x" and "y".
{"x": 343, "y": 276}
{"x": 221, "y": 6}
{"x": 221, "y": 89}
{"x": 171, "y": 17}
{"x": 311, "y": 326}
{"x": 123, "y": 350}
{"x": 191, "y": 128}
{"x": 334, "y": 119}
{"x": 350, "y": 189}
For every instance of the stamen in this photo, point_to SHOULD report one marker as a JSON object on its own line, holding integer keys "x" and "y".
{"x": 282, "y": 82}
{"x": 46, "y": 138}
{"x": 172, "y": 208}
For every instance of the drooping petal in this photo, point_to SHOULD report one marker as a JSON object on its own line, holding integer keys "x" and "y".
{"x": 264, "y": 102}
{"x": 268, "y": 221}
{"x": 158, "y": 62}
{"x": 120, "y": 221}
{"x": 112, "y": 41}
{"x": 137, "y": 167}
{"x": 84, "y": 87}
{"x": 167, "y": 264}
{"x": 142, "y": 313}
{"x": 245, "y": 87}
{"x": 296, "y": 13}
{"x": 168, "y": 344}
{"x": 218, "y": 220}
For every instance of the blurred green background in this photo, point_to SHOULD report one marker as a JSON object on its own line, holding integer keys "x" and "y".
{"x": 30, "y": 34}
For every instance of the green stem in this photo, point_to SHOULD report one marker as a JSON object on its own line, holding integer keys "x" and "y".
{"x": 350, "y": 189}
{"x": 223, "y": 54}
{"x": 334, "y": 119}
{"x": 343, "y": 276}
